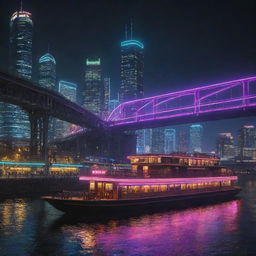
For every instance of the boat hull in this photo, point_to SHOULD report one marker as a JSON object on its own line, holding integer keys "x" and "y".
{"x": 102, "y": 207}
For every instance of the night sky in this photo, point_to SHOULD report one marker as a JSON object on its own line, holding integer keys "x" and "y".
{"x": 187, "y": 43}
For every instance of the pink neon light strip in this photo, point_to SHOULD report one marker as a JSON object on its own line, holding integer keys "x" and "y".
{"x": 119, "y": 118}
{"x": 183, "y": 114}
{"x": 163, "y": 181}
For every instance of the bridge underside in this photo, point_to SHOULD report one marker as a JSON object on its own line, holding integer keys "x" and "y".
{"x": 186, "y": 119}
{"x": 107, "y": 143}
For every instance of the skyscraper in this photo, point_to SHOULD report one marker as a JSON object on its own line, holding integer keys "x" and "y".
{"x": 144, "y": 141}
{"x": 225, "y": 145}
{"x": 169, "y": 141}
{"x": 93, "y": 93}
{"x": 47, "y": 72}
{"x": 47, "y": 79}
{"x": 195, "y": 138}
{"x": 246, "y": 138}
{"x": 132, "y": 72}
{"x": 69, "y": 91}
{"x": 132, "y": 68}
{"x": 158, "y": 141}
{"x": 14, "y": 121}
{"x": 106, "y": 101}
{"x": 183, "y": 138}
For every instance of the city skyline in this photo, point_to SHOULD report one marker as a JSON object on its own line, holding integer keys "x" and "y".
{"x": 213, "y": 128}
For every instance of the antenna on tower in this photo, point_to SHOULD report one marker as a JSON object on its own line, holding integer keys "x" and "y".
{"x": 131, "y": 29}
{"x": 21, "y": 5}
{"x": 125, "y": 31}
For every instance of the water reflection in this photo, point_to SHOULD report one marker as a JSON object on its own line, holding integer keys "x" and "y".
{"x": 13, "y": 215}
{"x": 32, "y": 227}
{"x": 180, "y": 233}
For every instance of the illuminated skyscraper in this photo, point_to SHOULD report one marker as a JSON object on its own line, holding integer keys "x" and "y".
{"x": 68, "y": 90}
{"x": 157, "y": 141}
{"x": 14, "y": 121}
{"x": 47, "y": 72}
{"x": 144, "y": 141}
{"x": 47, "y": 79}
{"x": 225, "y": 145}
{"x": 246, "y": 138}
{"x": 182, "y": 145}
{"x": 132, "y": 68}
{"x": 106, "y": 100}
{"x": 169, "y": 141}
{"x": 195, "y": 138}
{"x": 93, "y": 93}
{"x": 132, "y": 72}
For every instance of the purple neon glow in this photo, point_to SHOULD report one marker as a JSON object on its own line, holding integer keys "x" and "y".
{"x": 217, "y": 97}
{"x": 158, "y": 181}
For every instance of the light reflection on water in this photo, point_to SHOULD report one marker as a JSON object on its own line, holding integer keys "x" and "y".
{"x": 33, "y": 227}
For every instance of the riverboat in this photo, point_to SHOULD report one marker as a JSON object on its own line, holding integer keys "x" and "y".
{"x": 154, "y": 181}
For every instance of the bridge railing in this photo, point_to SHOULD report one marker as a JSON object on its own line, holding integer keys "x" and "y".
{"x": 217, "y": 97}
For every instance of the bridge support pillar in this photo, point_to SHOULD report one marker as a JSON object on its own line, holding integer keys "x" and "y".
{"x": 39, "y": 122}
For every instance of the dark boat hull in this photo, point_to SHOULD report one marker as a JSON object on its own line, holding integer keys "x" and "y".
{"x": 145, "y": 204}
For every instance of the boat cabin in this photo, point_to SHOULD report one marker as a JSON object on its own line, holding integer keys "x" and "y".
{"x": 128, "y": 188}
{"x": 176, "y": 165}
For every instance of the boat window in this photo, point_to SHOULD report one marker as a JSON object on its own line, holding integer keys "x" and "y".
{"x": 145, "y": 189}
{"x": 124, "y": 189}
{"x": 226, "y": 183}
{"x": 134, "y": 167}
{"x": 99, "y": 185}
{"x": 92, "y": 185}
{"x": 109, "y": 186}
{"x": 154, "y": 188}
{"x": 163, "y": 188}
{"x": 145, "y": 168}
{"x": 183, "y": 186}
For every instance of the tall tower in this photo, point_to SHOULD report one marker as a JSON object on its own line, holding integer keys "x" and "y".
{"x": 14, "y": 121}
{"x": 132, "y": 79}
{"x": 93, "y": 93}
{"x": 246, "y": 138}
{"x": 225, "y": 145}
{"x": 132, "y": 69}
{"x": 47, "y": 72}
{"x": 195, "y": 138}
{"x": 47, "y": 79}
{"x": 106, "y": 102}
{"x": 169, "y": 140}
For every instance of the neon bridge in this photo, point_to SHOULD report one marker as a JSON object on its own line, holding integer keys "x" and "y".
{"x": 212, "y": 102}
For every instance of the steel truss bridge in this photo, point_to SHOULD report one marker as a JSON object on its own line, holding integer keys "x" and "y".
{"x": 212, "y": 102}
{"x": 40, "y": 104}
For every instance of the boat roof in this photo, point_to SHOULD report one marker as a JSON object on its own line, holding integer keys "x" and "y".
{"x": 177, "y": 155}
{"x": 156, "y": 181}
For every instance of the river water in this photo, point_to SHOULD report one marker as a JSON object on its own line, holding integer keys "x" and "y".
{"x": 33, "y": 227}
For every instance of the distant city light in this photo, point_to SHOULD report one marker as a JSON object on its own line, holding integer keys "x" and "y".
{"x": 93, "y": 62}
{"x": 47, "y": 57}
{"x": 132, "y": 42}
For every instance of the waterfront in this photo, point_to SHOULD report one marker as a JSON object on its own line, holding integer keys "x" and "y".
{"x": 33, "y": 227}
